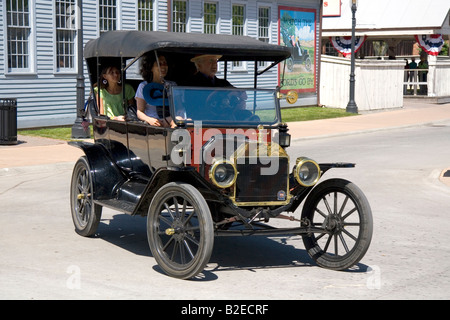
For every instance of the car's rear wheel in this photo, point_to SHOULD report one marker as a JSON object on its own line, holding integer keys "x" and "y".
{"x": 180, "y": 230}
{"x": 342, "y": 209}
{"x": 85, "y": 213}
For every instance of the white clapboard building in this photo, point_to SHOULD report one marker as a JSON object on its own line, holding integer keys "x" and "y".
{"x": 39, "y": 55}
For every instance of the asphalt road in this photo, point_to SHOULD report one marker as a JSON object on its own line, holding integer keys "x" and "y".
{"x": 409, "y": 258}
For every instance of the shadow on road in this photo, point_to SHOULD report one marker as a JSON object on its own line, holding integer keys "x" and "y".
{"x": 250, "y": 253}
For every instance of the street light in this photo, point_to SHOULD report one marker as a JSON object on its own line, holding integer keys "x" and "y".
{"x": 351, "y": 106}
{"x": 78, "y": 130}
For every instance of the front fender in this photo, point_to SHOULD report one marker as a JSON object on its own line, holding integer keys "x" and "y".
{"x": 324, "y": 167}
{"x": 299, "y": 192}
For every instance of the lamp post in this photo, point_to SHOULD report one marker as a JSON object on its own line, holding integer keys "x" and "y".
{"x": 351, "y": 106}
{"x": 78, "y": 130}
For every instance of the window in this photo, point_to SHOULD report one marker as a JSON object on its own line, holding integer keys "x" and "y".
{"x": 179, "y": 16}
{"x": 330, "y": 50}
{"x": 237, "y": 28}
{"x": 108, "y": 15}
{"x": 238, "y": 19}
{"x": 209, "y": 17}
{"x": 65, "y": 34}
{"x": 18, "y": 35}
{"x": 264, "y": 24}
{"x": 145, "y": 15}
{"x": 263, "y": 28}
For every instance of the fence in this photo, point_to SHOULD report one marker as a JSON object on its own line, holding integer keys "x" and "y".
{"x": 415, "y": 82}
{"x": 378, "y": 83}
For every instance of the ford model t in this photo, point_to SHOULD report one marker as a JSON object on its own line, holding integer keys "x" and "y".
{"x": 220, "y": 169}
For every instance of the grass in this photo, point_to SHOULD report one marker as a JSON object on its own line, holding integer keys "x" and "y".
{"x": 312, "y": 113}
{"x": 287, "y": 114}
{"x": 60, "y": 133}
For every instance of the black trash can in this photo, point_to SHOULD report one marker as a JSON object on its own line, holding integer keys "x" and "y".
{"x": 8, "y": 121}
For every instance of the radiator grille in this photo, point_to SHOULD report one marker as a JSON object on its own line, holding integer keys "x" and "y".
{"x": 263, "y": 181}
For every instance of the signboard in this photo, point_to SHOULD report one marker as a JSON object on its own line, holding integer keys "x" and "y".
{"x": 331, "y": 8}
{"x": 297, "y": 31}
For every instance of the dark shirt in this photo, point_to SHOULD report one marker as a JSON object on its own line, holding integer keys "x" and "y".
{"x": 201, "y": 80}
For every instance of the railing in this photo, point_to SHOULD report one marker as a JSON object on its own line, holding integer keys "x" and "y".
{"x": 415, "y": 82}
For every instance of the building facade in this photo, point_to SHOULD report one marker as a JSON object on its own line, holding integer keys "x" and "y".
{"x": 39, "y": 53}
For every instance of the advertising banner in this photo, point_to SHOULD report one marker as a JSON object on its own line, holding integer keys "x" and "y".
{"x": 297, "y": 31}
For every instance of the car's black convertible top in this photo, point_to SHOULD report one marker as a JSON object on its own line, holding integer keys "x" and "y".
{"x": 133, "y": 44}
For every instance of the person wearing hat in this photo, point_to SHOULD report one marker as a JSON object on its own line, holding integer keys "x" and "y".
{"x": 205, "y": 76}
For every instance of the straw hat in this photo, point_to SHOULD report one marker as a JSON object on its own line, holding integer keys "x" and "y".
{"x": 201, "y": 56}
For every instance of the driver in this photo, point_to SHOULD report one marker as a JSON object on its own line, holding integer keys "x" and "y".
{"x": 223, "y": 104}
{"x": 206, "y": 65}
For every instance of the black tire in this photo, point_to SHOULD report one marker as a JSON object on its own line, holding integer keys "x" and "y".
{"x": 343, "y": 210}
{"x": 180, "y": 230}
{"x": 85, "y": 214}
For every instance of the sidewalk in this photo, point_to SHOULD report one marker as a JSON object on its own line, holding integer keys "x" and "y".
{"x": 412, "y": 114}
{"x": 32, "y": 151}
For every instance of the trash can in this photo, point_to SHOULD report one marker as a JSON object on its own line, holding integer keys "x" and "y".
{"x": 8, "y": 121}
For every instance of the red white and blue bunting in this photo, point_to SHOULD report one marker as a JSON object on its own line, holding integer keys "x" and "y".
{"x": 431, "y": 43}
{"x": 344, "y": 44}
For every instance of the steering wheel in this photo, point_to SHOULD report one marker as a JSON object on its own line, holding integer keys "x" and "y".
{"x": 220, "y": 105}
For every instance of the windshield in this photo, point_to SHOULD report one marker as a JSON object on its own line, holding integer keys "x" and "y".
{"x": 230, "y": 106}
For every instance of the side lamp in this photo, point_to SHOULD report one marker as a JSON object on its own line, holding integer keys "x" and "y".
{"x": 284, "y": 138}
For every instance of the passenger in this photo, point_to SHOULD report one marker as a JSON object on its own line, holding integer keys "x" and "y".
{"x": 150, "y": 95}
{"x": 206, "y": 65}
{"x": 423, "y": 65}
{"x": 111, "y": 99}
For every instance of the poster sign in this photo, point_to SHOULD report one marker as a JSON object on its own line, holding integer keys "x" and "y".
{"x": 297, "y": 31}
{"x": 331, "y": 8}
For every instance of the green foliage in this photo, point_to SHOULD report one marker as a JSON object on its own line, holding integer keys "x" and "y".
{"x": 444, "y": 51}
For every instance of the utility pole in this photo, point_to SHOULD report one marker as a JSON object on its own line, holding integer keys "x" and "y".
{"x": 78, "y": 130}
{"x": 351, "y": 106}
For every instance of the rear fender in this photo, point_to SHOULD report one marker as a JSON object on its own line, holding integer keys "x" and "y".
{"x": 105, "y": 174}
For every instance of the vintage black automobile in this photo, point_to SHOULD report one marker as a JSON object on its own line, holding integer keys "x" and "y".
{"x": 221, "y": 170}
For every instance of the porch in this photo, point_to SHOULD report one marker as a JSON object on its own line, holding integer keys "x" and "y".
{"x": 432, "y": 84}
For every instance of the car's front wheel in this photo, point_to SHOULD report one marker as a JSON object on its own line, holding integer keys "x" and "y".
{"x": 342, "y": 210}
{"x": 180, "y": 230}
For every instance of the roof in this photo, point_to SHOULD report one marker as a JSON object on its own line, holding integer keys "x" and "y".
{"x": 388, "y": 17}
{"x": 133, "y": 44}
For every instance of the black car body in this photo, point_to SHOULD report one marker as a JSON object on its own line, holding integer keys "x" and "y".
{"x": 221, "y": 170}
